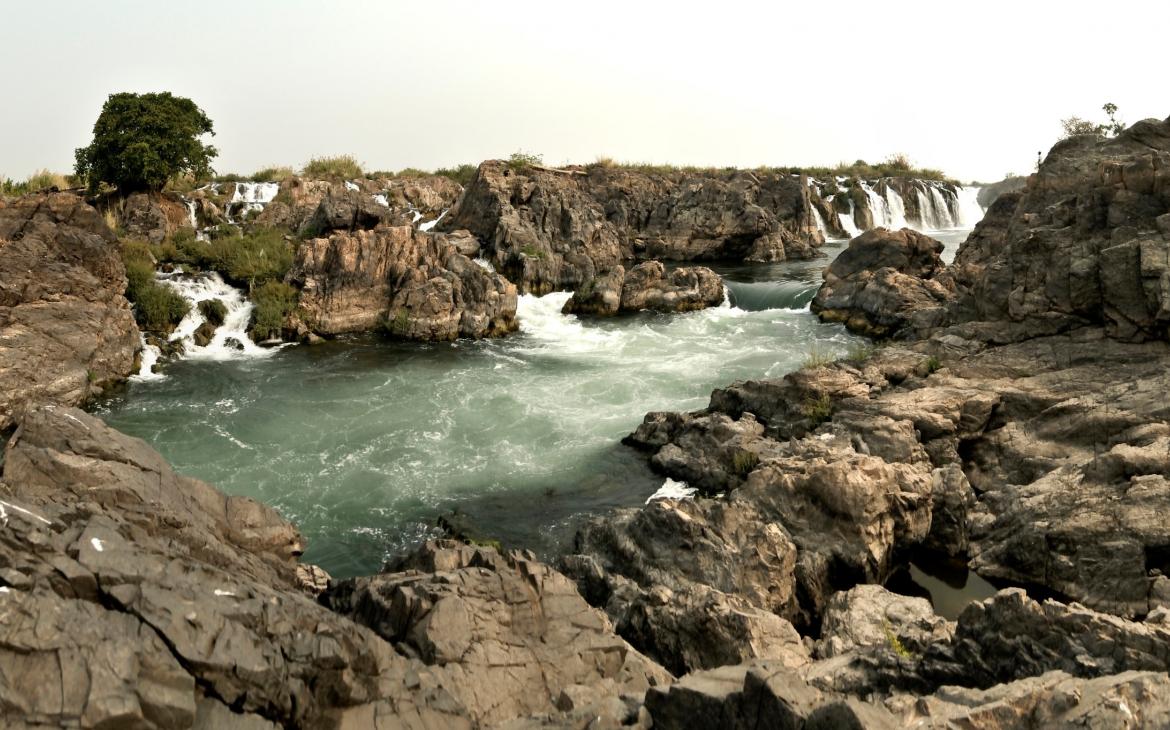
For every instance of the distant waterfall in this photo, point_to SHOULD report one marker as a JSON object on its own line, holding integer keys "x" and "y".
{"x": 819, "y": 220}
{"x": 251, "y": 197}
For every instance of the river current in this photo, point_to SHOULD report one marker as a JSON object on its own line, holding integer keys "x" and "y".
{"x": 363, "y": 442}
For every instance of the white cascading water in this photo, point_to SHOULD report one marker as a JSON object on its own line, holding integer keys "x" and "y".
{"x": 943, "y": 217}
{"x": 231, "y": 340}
{"x": 897, "y": 209}
{"x": 970, "y": 211}
{"x": 252, "y": 197}
{"x": 351, "y": 186}
{"x": 847, "y": 223}
{"x": 819, "y": 220}
{"x": 150, "y": 357}
{"x": 878, "y": 207}
{"x": 381, "y": 200}
{"x": 430, "y": 224}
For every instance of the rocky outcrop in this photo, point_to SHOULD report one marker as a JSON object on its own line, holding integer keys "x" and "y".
{"x": 66, "y": 330}
{"x": 413, "y": 284}
{"x": 514, "y": 633}
{"x": 881, "y": 280}
{"x": 647, "y": 286}
{"x": 552, "y": 230}
{"x": 152, "y": 216}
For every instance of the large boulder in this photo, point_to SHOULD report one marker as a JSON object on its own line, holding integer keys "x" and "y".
{"x": 647, "y": 286}
{"x": 881, "y": 279}
{"x": 66, "y": 330}
{"x": 415, "y": 285}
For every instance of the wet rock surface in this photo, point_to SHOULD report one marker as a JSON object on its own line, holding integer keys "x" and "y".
{"x": 65, "y": 328}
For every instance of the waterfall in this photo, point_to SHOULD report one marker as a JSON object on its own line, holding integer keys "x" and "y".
{"x": 231, "y": 340}
{"x": 878, "y": 207}
{"x": 429, "y": 224}
{"x": 970, "y": 211}
{"x": 150, "y": 356}
{"x": 818, "y": 219}
{"x": 191, "y": 213}
{"x": 943, "y": 217}
{"x": 381, "y": 200}
{"x": 251, "y": 196}
{"x": 897, "y": 208}
{"x": 847, "y": 223}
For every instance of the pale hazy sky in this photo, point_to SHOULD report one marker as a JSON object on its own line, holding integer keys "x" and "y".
{"x": 974, "y": 88}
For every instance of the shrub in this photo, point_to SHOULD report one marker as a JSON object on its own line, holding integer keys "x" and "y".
{"x": 274, "y": 301}
{"x": 743, "y": 462}
{"x": 817, "y": 409}
{"x": 521, "y": 160}
{"x": 463, "y": 174}
{"x": 38, "y": 181}
{"x": 816, "y": 358}
{"x": 859, "y": 352}
{"x": 342, "y": 167}
{"x": 931, "y": 364}
{"x": 140, "y": 141}
{"x": 213, "y": 310}
{"x": 244, "y": 259}
{"x": 156, "y": 307}
{"x": 273, "y": 174}
{"x": 411, "y": 172}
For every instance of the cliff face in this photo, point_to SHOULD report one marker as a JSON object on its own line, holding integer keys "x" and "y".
{"x": 65, "y": 328}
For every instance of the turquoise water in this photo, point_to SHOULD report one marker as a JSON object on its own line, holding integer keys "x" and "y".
{"x": 364, "y": 442}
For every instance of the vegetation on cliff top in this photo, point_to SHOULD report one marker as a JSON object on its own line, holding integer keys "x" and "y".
{"x": 143, "y": 141}
{"x": 898, "y": 165}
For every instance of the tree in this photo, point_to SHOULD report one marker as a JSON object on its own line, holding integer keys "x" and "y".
{"x": 141, "y": 141}
{"x": 1075, "y": 126}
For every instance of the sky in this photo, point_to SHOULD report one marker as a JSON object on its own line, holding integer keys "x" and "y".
{"x": 975, "y": 89}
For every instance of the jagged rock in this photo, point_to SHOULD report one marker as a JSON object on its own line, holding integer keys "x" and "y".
{"x": 988, "y": 194}
{"x": 516, "y": 633}
{"x": 153, "y": 216}
{"x": 65, "y": 328}
{"x": 548, "y": 229}
{"x": 883, "y": 277}
{"x": 869, "y": 616}
{"x": 1011, "y": 636}
{"x": 1082, "y": 243}
{"x": 1127, "y": 700}
{"x": 415, "y": 285}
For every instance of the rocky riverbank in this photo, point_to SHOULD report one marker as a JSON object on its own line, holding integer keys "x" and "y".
{"x": 1016, "y": 423}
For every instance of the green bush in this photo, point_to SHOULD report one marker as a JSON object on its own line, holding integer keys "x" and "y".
{"x": 38, "y": 181}
{"x": 273, "y": 301}
{"x": 521, "y": 160}
{"x": 342, "y": 167}
{"x": 463, "y": 174}
{"x": 818, "y": 410}
{"x": 141, "y": 141}
{"x": 157, "y": 308}
{"x": 244, "y": 259}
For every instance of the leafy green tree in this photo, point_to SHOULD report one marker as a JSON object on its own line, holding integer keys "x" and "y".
{"x": 140, "y": 141}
